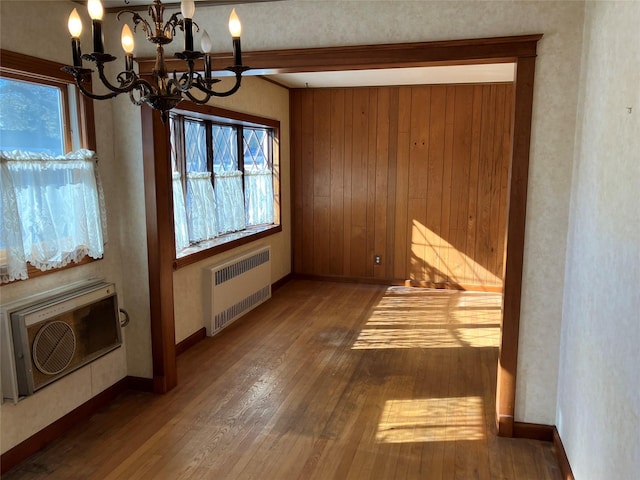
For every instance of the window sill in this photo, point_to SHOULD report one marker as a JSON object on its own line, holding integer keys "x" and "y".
{"x": 34, "y": 272}
{"x": 224, "y": 243}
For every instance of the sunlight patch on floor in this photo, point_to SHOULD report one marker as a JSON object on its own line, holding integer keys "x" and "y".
{"x": 427, "y": 338}
{"x": 432, "y": 420}
{"x": 417, "y": 318}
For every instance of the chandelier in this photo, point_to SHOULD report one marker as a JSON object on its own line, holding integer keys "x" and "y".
{"x": 162, "y": 91}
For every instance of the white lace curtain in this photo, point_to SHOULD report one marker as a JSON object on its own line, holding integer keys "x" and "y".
{"x": 258, "y": 196}
{"x": 201, "y": 207}
{"x": 179, "y": 213}
{"x": 230, "y": 200}
{"x": 52, "y": 211}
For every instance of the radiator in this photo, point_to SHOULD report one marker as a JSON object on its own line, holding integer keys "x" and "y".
{"x": 235, "y": 287}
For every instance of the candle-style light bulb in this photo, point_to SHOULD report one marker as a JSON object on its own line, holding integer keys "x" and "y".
{"x": 96, "y": 11}
{"x": 205, "y": 42}
{"x": 128, "y": 44}
{"x": 187, "y": 8}
{"x": 235, "y": 27}
{"x": 126, "y": 39}
{"x": 75, "y": 24}
{"x": 75, "y": 29}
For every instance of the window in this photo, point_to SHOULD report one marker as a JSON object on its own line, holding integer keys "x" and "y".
{"x": 224, "y": 178}
{"x": 51, "y": 204}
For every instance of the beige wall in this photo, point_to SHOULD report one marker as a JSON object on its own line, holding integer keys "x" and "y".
{"x": 21, "y": 28}
{"x": 598, "y": 413}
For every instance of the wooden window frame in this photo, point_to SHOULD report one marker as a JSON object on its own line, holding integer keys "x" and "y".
{"x": 46, "y": 72}
{"x": 211, "y": 115}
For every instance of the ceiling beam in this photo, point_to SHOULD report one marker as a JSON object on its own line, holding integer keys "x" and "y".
{"x": 450, "y": 52}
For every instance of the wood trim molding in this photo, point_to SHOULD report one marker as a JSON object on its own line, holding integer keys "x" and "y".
{"x": 518, "y": 49}
{"x": 51, "y": 432}
{"x": 278, "y": 284}
{"x": 160, "y": 247}
{"x": 546, "y": 433}
{"x": 190, "y": 341}
{"x": 482, "y": 50}
{"x": 533, "y": 431}
{"x": 140, "y": 384}
{"x": 397, "y": 282}
{"x": 516, "y": 220}
{"x": 561, "y": 455}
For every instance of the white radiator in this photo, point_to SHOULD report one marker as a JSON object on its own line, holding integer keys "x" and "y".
{"x": 235, "y": 287}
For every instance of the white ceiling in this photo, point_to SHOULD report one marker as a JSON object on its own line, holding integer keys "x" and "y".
{"x": 486, "y": 73}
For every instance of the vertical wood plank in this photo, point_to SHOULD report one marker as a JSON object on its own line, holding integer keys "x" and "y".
{"x": 394, "y": 95}
{"x": 435, "y": 178}
{"x": 418, "y": 158}
{"x": 381, "y": 182}
{"x": 402, "y": 185}
{"x": 371, "y": 180}
{"x": 337, "y": 182}
{"x": 359, "y": 177}
{"x": 307, "y": 164}
{"x": 445, "y": 255}
{"x": 321, "y": 180}
{"x": 296, "y": 119}
{"x": 471, "y": 270}
{"x": 348, "y": 180}
{"x": 463, "y": 108}
{"x": 504, "y": 177}
{"x": 496, "y": 184}
{"x": 482, "y": 241}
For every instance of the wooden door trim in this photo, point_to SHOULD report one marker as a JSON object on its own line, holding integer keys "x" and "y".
{"x": 518, "y": 49}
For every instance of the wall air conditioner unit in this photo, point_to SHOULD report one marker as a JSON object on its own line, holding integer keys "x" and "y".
{"x": 49, "y": 336}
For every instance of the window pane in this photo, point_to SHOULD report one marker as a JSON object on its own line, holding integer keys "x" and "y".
{"x": 31, "y": 117}
{"x": 174, "y": 143}
{"x": 225, "y": 145}
{"x": 195, "y": 142}
{"x": 256, "y": 149}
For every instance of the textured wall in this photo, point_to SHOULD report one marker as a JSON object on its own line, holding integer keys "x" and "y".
{"x": 598, "y": 413}
{"x": 18, "y": 22}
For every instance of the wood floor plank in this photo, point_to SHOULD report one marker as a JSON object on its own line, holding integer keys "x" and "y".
{"x": 324, "y": 381}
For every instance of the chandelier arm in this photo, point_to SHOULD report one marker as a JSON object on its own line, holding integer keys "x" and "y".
{"x": 194, "y": 99}
{"x": 226, "y": 93}
{"x": 186, "y": 80}
{"x": 93, "y": 96}
{"x": 172, "y": 23}
{"x": 137, "y": 19}
{"x": 136, "y": 101}
{"x": 135, "y": 83}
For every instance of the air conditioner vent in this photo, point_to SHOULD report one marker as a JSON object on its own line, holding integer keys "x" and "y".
{"x": 54, "y": 347}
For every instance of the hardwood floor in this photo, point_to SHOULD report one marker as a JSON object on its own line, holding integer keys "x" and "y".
{"x": 325, "y": 381}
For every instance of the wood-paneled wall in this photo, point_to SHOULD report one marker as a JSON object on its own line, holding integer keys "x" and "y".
{"x": 417, "y": 175}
